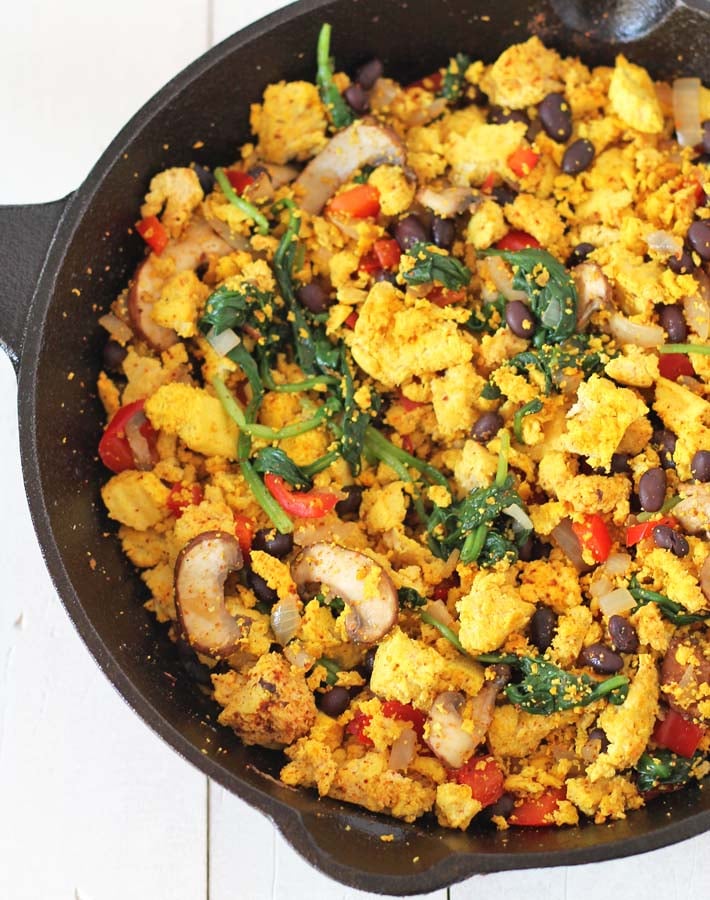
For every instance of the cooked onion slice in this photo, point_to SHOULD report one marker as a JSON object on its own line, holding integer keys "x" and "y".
{"x": 140, "y": 448}
{"x": 628, "y": 332}
{"x": 484, "y": 702}
{"x": 117, "y": 328}
{"x": 223, "y": 342}
{"x": 593, "y": 291}
{"x": 501, "y": 276}
{"x": 616, "y": 602}
{"x": 664, "y": 242}
{"x": 364, "y": 143}
{"x": 286, "y": 619}
{"x": 366, "y": 590}
{"x": 403, "y": 750}
{"x": 446, "y": 202}
{"x": 686, "y": 111}
{"x": 201, "y": 569}
{"x": 569, "y": 544}
{"x": 447, "y": 738}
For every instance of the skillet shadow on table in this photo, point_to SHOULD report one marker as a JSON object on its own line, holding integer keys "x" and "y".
{"x": 92, "y": 258}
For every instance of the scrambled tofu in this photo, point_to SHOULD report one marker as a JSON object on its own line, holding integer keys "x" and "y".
{"x": 196, "y": 417}
{"x": 290, "y": 123}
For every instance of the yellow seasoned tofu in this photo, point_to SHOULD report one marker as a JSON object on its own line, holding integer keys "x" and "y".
{"x": 491, "y": 611}
{"x": 196, "y": 417}
{"x": 290, "y": 122}
{"x": 180, "y": 303}
{"x": 173, "y": 194}
{"x": 455, "y": 806}
{"x": 136, "y": 499}
{"x": 523, "y": 75}
{"x": 396, "y": 191}
{"x": 483, "y": 149}
{"x": 633, "y": 98}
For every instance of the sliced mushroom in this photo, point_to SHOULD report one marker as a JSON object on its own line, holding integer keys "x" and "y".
{"x": 693, "y": 511}
{"x": 367, "y": 591}
{"x": 364, "y": 143}
{"x": 593, "y": 291}
{"x": 447, "y": 737}
{"x": 446, "y": 202}
{"x": 201, "y": 569}
{"x": 685, "y": 674}
{"x": 484, "y": 702}
{"x": 196, "y": 244}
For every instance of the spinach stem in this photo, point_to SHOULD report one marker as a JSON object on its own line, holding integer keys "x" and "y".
{"x": 260, "y": 220}
{"x": 281, "y": 521}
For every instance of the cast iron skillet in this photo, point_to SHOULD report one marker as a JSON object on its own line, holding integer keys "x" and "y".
{"x": 48, "y": 311}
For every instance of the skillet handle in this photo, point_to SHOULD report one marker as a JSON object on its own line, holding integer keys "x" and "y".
{"x": 26, "y": 234}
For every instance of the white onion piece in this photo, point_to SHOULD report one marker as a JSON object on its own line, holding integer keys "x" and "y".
{"x": 501, "y": 276}
{"x": 686, "y": 111}
{"x": 568, "y": 543}
{"x": 423, "y": 114}
{"x": 704, "y": 579}
{"x": 446, "y": 202}
{"x": 520, "y": 516}
{"x": 451, "y": 563}
{"x": 437, "y": 610}
{"x": 616, "y": 602}
{"x": 483, "y": 704}
{"x": 223, "y": 342}
{"x": 383, "y": 93}
{"x": 116, "y": 327}
{"x": 280, "y": 175}
{"x": 298, "y": 657}
{"x": 627, "y": 332}
{"x": 697, "y": 315}
{"x": 403, "y": 750}
{"x": 664, "y": 242}
{"x": 601, "y": 585}
{"x": 285, "y": 620}
{"x": 447, "y": 738}
{"x": 617, "y": 563}
{"x": 593, "y": 291}
{"x": 140, "y": 448}
{"x": 688, "y": 678}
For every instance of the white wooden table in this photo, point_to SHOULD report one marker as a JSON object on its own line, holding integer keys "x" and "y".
{"x": 93, "y": 806}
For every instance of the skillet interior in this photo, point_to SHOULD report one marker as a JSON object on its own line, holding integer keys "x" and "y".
{"x": 60, "y": 417}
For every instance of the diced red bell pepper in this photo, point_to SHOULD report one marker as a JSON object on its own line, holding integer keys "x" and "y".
{"x": 516, "y": 240}
{"x": 183, "y": 495}
{"x": 153, "y": 232}
{"x": 369, "y": 263}
{"x": 441, "y": 296}
{"x": 594, "y": 536}
{"x": 356, "y": 727}
{"x": 351, "y": 319}
{"x": 489, "y": 182}
{"x": 535, "y": 812}
{"x": 244, "y": 532}
{"x": 407, "y": 404}
{"x": 522, "y": 161}
{"x": 385, "y": 254}
{"x": 239, "y": 180}
{"x": 407, "y": 444}
{"x": 303, "y": 504}
{"x": 431, "y": 82}
{"x": 673, "y": 365}
{"x": 643, "y": 530}
{"x": 441, "y": 591}
{"x": 359, "y": 202}
{"x": 114, "y": 450}
{"x": 678, "y": 734}
{"x": 405, "y": 712}
{"x": 484, "y": 777}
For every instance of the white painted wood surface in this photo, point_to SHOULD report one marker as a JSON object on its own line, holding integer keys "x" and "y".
{"x": 94, "y": 806}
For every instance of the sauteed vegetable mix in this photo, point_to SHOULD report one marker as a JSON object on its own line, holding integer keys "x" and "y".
{"x": 409, "y": 429}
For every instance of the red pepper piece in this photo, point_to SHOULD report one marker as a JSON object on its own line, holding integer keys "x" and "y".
{"x": 522, "y": 161}
{"x": 153, "y": 232}
{"x": 351, "y": 320}
{"x": 537, "y": 811}
{"x": 183, "y": 495}
{"x": 489, "y": 182}
{"x": 673, "y": 365}
{"x": 643, "y": 530}
{"x": 359, "y": 202}
{"x": 484, "y": 777}
{"x": 516, "y": 240}
{"x": 441, "y": 296}
{"x": 405, "y": 712}
{"x": 239, "y": 180}
{"x": 114, "y": 450}
{"x": 678, "y": 734}
{"x": 356, "y": 727}
{"x": 244, "y": 533}
{"x": 303, "y": 504}
{"x": 407, "y": 404}
{"x": 431, "y": 82}
{"x": 594, "y": 536}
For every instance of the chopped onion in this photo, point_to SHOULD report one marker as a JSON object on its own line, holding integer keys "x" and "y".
{"x": 520, "y": 516}
{"x": 552, "y": 314}
{"x": 298, "y": 657}
{"x": 627, "y": 332}
{"x": 664, "y": 242}
{"x": 285, "y": 620}
{"x": 601, "y": 585}
{"x": 403, "y": 750}
{"x": 140, "y": 448}
{"x": 617, "y": 563}
{"x": 437, "y": 610}
{"x": 569, "y": 544}
{"x": 697, "y": 314}
{"x": 483, "y": 704}
{"x": 502, "y": 278}
{"x": 447, "y": 738}
{"x": 688, "y": 678}
{"x": 686, "y": 111}
{"x": 117, "y": 328}
{"x": 451, "y": 563}
{"x": 446, "y": 202}
{"x": 615, "y": 602}
{"x": 223, "y": 342}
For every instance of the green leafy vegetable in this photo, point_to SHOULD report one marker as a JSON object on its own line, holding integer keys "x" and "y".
{"x": 259, "y": 219}
{"x": 673, "y": 611}
{"x": 662, "y": 768}
{"x": 277, "y": 462}
{"x": 454, "y": 83}
{"x": 431, "y": 264}
{"x": 409, "y": 598}
{"x": 278, "y": 517}
{"x": 685, "y": 348}
{"x": 363, "y": 175}
{"x": 340, "y": 113}
{"x": 335, "y": 604}
{"x": 555, "y": 360}
{"x": 489, "y": 318}
{"x": 550, "y": 287}
{"x": 331, "y": 667}
{"x": 534, "y": 406}
{"x": 490, "y": 391}
{"x": 447, "y": 632}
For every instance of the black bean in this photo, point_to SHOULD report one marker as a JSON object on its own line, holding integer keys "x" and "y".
{"x": 333, "y": 702}
{"x": 623, "y": 634}
{"x": 487, "y": 427}
{"x": 503, "y": 194}
{"x": 195, "y": 670}
{"x": 664, "y": 442}
{"x": 620, "y": 463}
{"x": 556, "y": 117}
{"x": 205, "y": 177}
{"x": 706, "y": 136}
{"x": 542, "y": 627}
{"x": 699, "y": 238}
{"x": 673, "y": 323}
{"x": 533, "y": 548}
{"x": 598, "y": 734}
{"x": 357, "y": 98}
{"x": 314, "y": 297}
{"x": 579, "y": 254}
{"x": 652, "y": 489}
{"x": 681, "y": 265}
{"x": 534, "y": 128}
{"x": 601, "y": 658}
{"x": 261, "y": 589}
{"x": 443, "y": 232}
{"x": 502, "y": 807}
{"x": 700, "y": 466}
{"x": 272, "y": 542}
{"x": 578, "y": 157}
{"x": 350, "y": 506}
{"x": 669, "y": 539}
{"x": 409, "y": 230}
{"x": 367, "y": 74}
{"x": 114, "y": 354}
{"x": 367, "y": 665}
{"x": 499, "y": 115}
{"x": 519, "y": 318}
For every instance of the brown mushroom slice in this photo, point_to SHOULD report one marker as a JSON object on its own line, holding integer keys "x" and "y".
{"x": 693, "y": 511}
{"x": 446, "y": 202}
{"x": 201, "y": 569}
{"x": 685, "y": 674}
{"x": 447, "y": 737}
{"x": 190, "y": 251}
{"x": 364, "y": 143}
{"x": 593, "y": 291}
{"x": 369, "y": 595}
